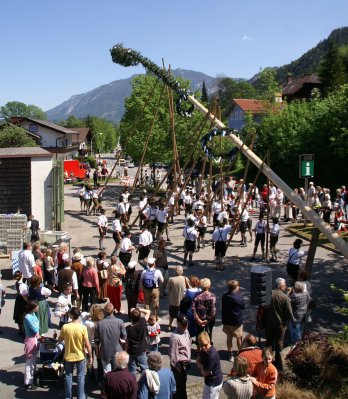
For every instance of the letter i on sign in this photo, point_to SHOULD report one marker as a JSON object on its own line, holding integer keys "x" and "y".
{"x": 308, "y": 169}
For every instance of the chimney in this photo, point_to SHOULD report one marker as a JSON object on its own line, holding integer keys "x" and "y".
{"x": 289, "y": 77}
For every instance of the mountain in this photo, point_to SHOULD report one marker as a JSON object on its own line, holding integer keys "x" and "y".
{"x": 107, "y": 101}
{"x": 310, "y": 61}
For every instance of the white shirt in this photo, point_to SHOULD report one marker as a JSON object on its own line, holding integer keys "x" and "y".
{"x": 222, "y": 215}
{"x": 102, "y": 221}
{"x": 121, "y": 208}
{"x": 126, "y": 243}
{"x": 190, "y": 233}
{"x": 187, "y": 199}
{"x": 198, "y": 205}
{"x": 151, "y": 213}
{"x": 26, "y": 262}
{"x": 295, "y": 255}
{"x": 245, "y": 216}
{"x": 145, "y": 238}
{"x": 116, "y": 225}
{"x": 86, "y": 195}
{"x": 260, "y": 227}
{"x": 142, "y": 204}
{"x": 63, "y": 305}
{"x": 216, "y": 207}
{"x": 275, "y": 230}
{"x": 125, "y": 196}
{"x": 157, "y": 277}
{"x": 162, "y": 215}
{"x": 202, "y": 221}
{"x": 95, "y": 194}
{"x": 221, "y": 233}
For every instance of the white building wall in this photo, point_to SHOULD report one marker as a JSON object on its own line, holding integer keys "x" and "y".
{"x": 41, "y": 191}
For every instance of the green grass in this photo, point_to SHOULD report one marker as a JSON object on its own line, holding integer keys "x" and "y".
{"x": 305, "y": 231}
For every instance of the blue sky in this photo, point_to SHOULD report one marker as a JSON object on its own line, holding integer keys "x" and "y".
{"x": 51, "y": 50}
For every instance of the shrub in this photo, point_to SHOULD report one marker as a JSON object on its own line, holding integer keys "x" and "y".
{"x": 288, "y": 390}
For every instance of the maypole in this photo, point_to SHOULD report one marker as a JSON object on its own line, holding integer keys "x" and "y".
{"x": 128, "y": 57}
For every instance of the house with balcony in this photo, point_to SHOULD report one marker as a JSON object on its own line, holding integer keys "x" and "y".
{"x": 60, "y": 141}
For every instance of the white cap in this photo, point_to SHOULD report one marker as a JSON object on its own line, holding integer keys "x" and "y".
{"x": 131, "y": 265}
{"x": 151, "y": 261}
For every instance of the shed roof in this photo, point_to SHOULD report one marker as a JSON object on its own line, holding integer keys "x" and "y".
{"x": 24, "y": 152}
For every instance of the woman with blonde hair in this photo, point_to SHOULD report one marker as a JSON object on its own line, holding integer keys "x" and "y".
{"x": 114, "y": 282}
{"x": 204, "y": 309}
{"x": 90, "y": 284}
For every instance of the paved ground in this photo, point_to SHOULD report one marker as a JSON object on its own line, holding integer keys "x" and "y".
{"x": 329, "y": 267}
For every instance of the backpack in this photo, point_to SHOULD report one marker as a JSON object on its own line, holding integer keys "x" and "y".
{"x": 132, "y": 283}
{"x": 149, "y": 279}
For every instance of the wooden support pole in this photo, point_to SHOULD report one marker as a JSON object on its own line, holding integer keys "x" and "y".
{"x": 311, "y": 250}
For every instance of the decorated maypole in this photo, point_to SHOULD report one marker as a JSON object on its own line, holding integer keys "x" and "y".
{"x": 128, "y": 57}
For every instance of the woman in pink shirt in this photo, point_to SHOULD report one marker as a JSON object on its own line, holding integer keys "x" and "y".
{"x": 90, "y": 284}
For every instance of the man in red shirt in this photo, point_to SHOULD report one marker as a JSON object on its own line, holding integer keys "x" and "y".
{"x": 250, "y": 352}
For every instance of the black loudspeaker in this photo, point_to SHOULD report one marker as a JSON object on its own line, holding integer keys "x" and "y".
{"x": 261, "y": 285}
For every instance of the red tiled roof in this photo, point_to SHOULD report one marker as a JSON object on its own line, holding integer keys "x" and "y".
{"x": 255, "y": 106}
{"x": 296, "y": 83}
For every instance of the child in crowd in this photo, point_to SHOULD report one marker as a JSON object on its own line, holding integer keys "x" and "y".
{"x": 49, "y": 268}
{"x": 153, "y": 332}
{"x": 38, "y": 268}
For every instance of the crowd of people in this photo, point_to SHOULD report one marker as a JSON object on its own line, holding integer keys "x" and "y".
{"x": 89, "y": 306}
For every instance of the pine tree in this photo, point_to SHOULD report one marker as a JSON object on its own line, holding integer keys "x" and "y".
{"x": 204, "y": 97}
{"x": 331, "y": 71}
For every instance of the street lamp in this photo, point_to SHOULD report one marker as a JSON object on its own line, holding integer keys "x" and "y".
{"x": 92, "y": 141}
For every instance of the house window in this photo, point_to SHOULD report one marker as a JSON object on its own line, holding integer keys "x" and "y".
{"x": 33, "y": 128}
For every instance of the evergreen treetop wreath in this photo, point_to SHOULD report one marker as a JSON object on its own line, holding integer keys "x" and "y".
{"x": 230, "y": 156}
{"x": 128, "y": 57}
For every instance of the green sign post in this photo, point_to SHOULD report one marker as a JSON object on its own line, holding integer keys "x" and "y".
{"x": 306, "y": 169}
{"x": 306, "y": 165}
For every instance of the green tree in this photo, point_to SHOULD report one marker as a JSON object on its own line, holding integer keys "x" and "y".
{"x": 266, "y": 85}
{"x": 104, "y": 133}
{"x": 331, "y": 70}
{"x": 16, "y": 108}
{"x": 318, "y": 127}
{"x": 72, "y": 122}
{"x": 204, "y": 96}
{"x": 14, "y": 136}
{"x": 136, "y": 123}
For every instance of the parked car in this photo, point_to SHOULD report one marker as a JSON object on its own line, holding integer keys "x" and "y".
{"x": 130, "y": 164}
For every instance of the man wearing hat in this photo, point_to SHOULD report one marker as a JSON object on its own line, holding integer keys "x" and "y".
{"x": 131, "y": 285}
{"x": 151, "y": 278}
{"x": 180, "y": 356}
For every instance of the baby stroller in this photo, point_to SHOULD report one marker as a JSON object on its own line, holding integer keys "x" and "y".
{"x": 51, "y": 356}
